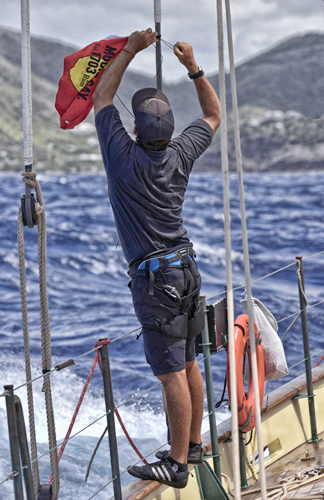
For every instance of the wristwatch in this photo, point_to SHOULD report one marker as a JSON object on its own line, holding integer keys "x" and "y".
{"x": 199, "y": 73}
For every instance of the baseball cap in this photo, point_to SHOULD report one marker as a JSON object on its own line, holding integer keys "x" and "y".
{"x": 153, "y": 115}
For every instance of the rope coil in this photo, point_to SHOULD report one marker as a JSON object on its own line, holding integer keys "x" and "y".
{"x": 285, "y": 485}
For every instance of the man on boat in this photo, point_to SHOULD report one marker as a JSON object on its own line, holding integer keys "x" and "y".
{"x": 147, "y": 180}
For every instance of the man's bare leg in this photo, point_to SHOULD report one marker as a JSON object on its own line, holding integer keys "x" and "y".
{"x": 184, "y": 393}
{"x": 179, "y": 412}
{"x": 196, "y": 389}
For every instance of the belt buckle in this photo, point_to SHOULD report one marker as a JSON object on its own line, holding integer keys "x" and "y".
{"x": 184, "y": 254}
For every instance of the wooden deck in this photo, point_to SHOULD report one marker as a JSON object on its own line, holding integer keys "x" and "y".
{"x": 289, "y": 465}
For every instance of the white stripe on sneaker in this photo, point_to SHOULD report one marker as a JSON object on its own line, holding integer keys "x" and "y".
{"x": 166, "y": 472}
{"x": 158, "y": 473}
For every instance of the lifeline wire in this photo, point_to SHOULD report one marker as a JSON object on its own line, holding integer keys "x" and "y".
{"x": 299, "y": 362}
{"x": 36, "y": 460}
{"x": 5, "y": 393}
{"x": 89, "y": 425}
{"x": 95, "y": 421}
{"x": 268, "y": 275}
{"x": 298, "y": 312}
{"x": 75, "y": 359}
{"x": 149, "y": 454}
{"x": 15, "y": 473}
{"x": 117, "y": 338}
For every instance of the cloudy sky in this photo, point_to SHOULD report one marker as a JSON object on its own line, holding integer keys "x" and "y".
{"x": 257, "y": 25}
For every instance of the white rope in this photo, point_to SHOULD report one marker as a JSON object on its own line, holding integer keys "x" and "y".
{"x": 229, "y": 280}
{"x": 285, "y": 485}
{"x": 239, "y": 166}
{"x": 157, "y": 11}
{"x": 26, "y": 83}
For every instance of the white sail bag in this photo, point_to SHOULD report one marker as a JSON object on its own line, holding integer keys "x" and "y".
{"x": 273, "y": 351}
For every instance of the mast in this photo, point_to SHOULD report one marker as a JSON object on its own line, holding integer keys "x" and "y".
{"x": 158, "y": 50}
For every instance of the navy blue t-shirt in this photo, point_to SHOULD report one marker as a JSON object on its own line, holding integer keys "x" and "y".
{"x": 147, "y": 188}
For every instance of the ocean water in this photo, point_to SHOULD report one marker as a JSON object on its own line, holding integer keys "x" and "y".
{"x": 89, "y": 300}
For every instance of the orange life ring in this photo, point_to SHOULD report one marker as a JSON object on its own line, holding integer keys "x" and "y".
{"x": 245, "y": 402}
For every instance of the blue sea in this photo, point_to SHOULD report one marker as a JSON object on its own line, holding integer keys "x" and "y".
{"x": 89, "y": 300}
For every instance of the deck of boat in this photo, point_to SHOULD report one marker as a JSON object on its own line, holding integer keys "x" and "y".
{"x": 285, "y": 430}
{"x": 291, "y": 464}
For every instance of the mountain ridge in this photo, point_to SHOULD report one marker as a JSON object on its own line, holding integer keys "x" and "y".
{"x": 279, "y": 95}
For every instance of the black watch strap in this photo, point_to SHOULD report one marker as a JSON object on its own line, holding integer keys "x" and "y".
{"x": 199, "y": 73}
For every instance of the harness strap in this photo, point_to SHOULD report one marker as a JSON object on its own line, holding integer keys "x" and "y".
{"x": 151, "y": 286}
{"x": 188, "y": 284}
{"x": 185, "y": 259}
{"x": 151, "y": 277}
{"x": 164, "y": 262}
{"x": 194, "y": 292}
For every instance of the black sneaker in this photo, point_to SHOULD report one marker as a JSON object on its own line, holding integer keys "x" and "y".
{"x": 195, "y": 454}
{"x": 163, "y": 471}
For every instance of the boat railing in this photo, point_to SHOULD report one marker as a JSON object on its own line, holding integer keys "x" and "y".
{"x": 109, "y": 414}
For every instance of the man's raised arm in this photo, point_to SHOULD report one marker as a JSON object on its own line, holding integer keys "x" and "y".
{"x": 111, "y": 77}
{"x": 207, "y": 96}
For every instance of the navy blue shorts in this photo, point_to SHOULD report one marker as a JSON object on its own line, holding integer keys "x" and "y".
{"x": 169, "y": 327}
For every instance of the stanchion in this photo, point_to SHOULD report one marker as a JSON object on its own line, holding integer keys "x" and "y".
{"x": 110, "y": 409}
{"x": 24, "y": 451}
{"x": 244, "y": 483}
{"x": 308, "y": 366}
{"x": 14, "y": 443}
{"x": 210, "y": 394}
